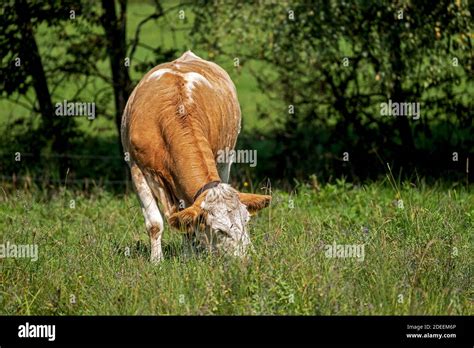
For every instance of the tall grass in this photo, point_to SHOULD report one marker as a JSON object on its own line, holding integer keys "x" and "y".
{"x": 93, "y": 255}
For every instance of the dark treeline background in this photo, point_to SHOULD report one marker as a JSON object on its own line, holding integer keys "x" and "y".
{"x": 316, "y": 73}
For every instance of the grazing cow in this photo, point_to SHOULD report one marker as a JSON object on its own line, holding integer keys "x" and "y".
{"x": 176, "y": 120}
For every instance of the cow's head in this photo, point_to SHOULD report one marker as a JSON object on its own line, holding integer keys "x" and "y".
{"x": 219, "y": 219}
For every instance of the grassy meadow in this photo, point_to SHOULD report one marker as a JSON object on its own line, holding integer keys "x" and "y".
{"x": 93, "y": 255}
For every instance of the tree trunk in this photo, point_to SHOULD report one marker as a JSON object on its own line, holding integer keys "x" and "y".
{"x": 53, "y": 128}
{"x": 116, "y": 48}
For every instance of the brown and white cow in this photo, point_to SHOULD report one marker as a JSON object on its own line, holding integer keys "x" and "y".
{"x": 176, "y": 120}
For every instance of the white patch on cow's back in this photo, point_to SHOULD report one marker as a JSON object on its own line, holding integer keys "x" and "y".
{"x": 158, "y": 73}
{"x": 193, "y": 77}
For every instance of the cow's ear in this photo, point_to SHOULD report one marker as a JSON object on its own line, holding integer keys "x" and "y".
{"x": 254, "y": 202}
{"x": 186, "y": 219}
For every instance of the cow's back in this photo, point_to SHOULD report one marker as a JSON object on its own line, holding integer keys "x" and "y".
{"x": 178, "y": 117}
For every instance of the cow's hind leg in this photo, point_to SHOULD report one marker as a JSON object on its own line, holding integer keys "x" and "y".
{"x": 153, "y": 219}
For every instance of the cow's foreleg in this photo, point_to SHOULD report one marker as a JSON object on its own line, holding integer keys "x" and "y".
{"x": 153, "y": 219}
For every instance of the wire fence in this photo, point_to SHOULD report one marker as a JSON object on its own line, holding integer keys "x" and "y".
{"x": 86, "y": 181}
{"x": 60, "y": 155}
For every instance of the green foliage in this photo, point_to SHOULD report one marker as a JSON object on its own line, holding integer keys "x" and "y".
{"x": 336, "y": 61}
{"x": 71, "y": 45}
{"x": 283, "y": 61}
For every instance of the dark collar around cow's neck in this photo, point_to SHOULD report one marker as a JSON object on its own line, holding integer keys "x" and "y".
{"x": 206, "y": 187}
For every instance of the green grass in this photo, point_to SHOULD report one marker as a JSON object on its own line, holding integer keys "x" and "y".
{"x": 418, "y": 260}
